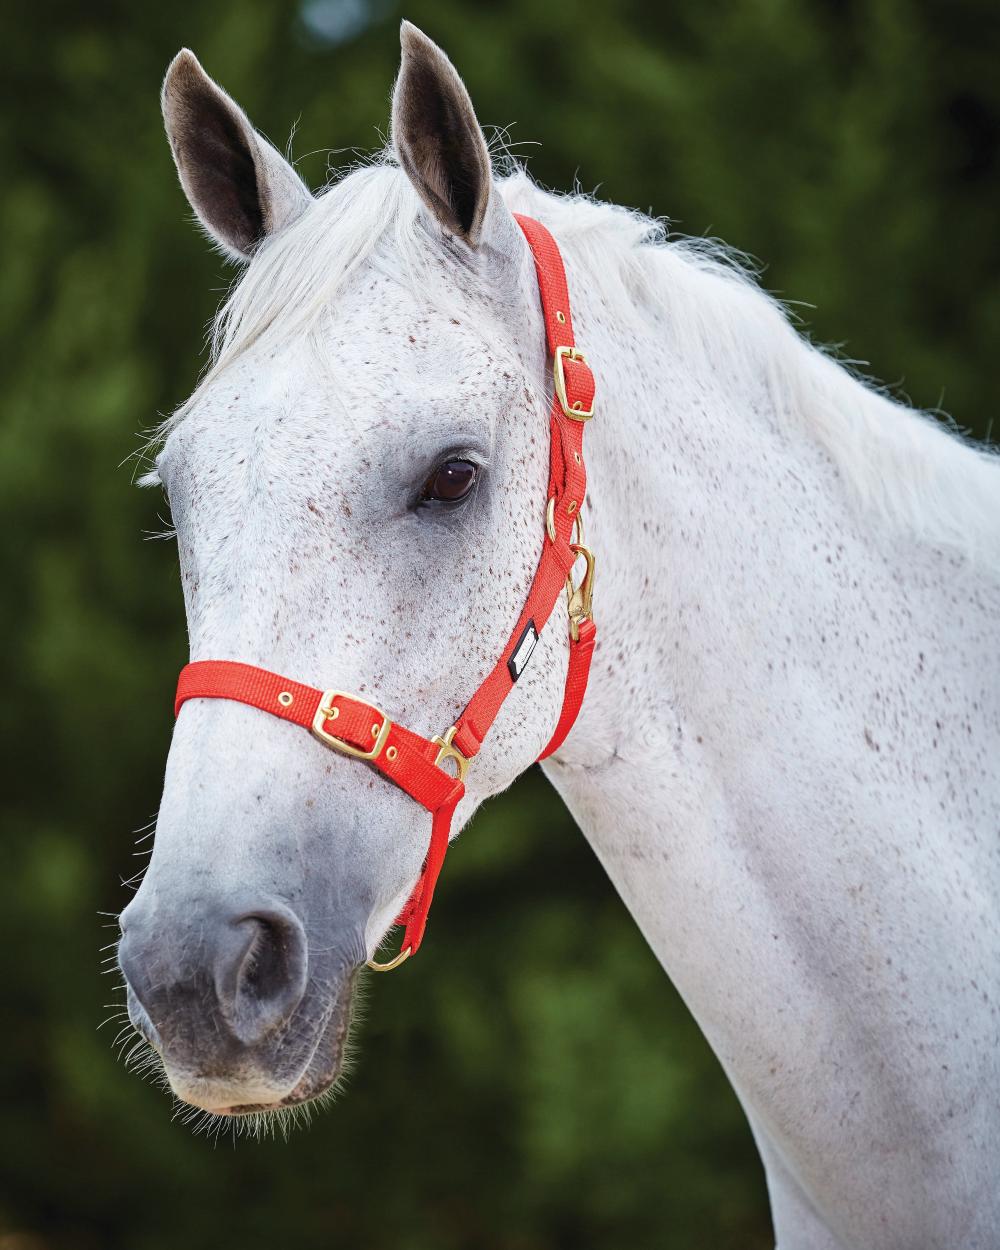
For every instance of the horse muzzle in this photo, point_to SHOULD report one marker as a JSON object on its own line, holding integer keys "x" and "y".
{"x": 222, "y": 997}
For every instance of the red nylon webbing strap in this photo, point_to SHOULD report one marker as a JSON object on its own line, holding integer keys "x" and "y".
{"x": 567, "y": 486}
{"x": 404, "y": 757}
{"x": 581, "y": 652}
{"x": 355, "y": 727}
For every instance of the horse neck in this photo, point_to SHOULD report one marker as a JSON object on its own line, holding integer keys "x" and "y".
{"x": 780, "y": 731}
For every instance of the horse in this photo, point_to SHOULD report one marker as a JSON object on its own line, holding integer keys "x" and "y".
{"x": 786, "y": 757}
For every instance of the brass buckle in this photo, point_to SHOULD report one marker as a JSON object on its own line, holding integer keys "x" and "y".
{"x": 576, "y": 411}
{"x": 449, "y": 751}
{"x": 580, "y": 599}
{"x": 326, "y": 711}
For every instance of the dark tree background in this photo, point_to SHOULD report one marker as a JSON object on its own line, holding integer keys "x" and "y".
{"x": 532, "y": 1081}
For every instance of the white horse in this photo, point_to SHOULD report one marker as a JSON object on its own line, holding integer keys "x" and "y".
{"x": 787, "y": 758}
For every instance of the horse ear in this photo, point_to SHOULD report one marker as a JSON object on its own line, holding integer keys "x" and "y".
{"x": 437, "y": 137}
{"x": 241, "y": 188}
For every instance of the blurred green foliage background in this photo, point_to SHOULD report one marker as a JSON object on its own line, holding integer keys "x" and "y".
{"x": 519, "y": 1087}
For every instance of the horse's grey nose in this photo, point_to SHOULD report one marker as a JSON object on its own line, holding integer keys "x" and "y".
{"x": 244, "y": 969}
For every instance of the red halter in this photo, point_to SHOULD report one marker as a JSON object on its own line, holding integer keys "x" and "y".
{"x": 416, "y": 764}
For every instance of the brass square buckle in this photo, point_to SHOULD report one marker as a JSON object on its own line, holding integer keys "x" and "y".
{"x": 326, "y": 711}
{"x": 575, "y": 411}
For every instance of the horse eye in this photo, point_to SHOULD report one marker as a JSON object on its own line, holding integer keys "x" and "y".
{"x": 450, "y": 482}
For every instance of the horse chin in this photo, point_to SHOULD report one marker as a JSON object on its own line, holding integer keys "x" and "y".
{"x": 320, "y": 1076}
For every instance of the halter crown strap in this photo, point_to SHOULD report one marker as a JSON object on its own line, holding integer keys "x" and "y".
{"x": 420, "y": 766}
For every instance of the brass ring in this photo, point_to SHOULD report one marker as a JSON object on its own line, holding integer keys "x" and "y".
{"x": 573, "y": 510}
{"x": 388, "y": 966}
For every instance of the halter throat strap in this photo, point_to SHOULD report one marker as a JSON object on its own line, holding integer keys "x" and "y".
{"x": 432, "y": 770}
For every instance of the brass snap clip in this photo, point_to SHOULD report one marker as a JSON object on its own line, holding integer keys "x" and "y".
{"x": 448, "y": 751}
{"x": 580, "y": 599}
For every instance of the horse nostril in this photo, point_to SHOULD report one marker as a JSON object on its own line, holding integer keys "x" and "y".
{"x": 238, "y": 973}
{"x": 261, "y": 973}
{"x": 270, "y": 960}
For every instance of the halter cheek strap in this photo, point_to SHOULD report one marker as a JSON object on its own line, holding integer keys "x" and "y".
{"x": 432, "y": 770}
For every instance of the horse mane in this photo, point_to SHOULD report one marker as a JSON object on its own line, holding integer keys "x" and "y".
{"x": 905, "y": 465}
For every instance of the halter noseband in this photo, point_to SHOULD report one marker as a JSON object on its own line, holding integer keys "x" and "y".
{"x": 416, "y": 764}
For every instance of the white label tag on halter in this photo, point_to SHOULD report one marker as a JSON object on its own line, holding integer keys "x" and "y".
{"x": 522, "y": 652}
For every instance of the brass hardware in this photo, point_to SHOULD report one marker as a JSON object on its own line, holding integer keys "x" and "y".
{"x": 577, "y": 457}
{"x": 571, "y": 510}
{"x": 580, "y": 600}
{"x": 391, "y": 753}
{"x": 449, "y": 751}
{"x": 388, "y": 966}
{"x": 285, "y": 698}
{"x": 576, "y": 412}
{"x": 326, "y": 711}
{"x": 561, "y": 318}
